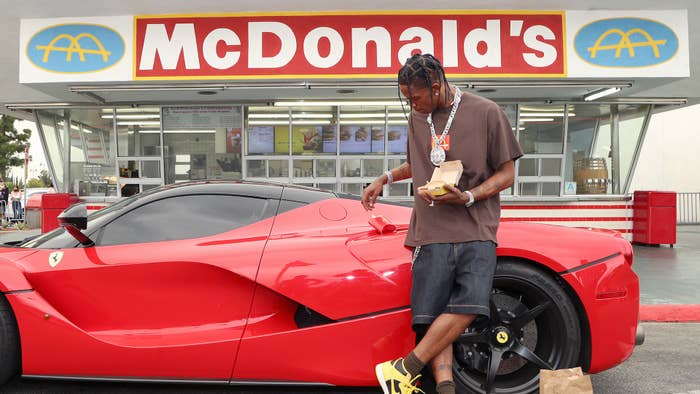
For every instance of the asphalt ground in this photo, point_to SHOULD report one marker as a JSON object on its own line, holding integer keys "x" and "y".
{"x": 667, "y": 363}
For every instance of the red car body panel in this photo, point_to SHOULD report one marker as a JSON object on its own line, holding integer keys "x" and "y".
{"x": 176, "y": 308}
{"x": 223, "y": 307}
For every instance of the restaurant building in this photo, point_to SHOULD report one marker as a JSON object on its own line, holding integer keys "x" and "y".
{"x": 308, "y": 96}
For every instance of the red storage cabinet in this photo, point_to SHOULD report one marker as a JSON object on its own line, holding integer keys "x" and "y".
{"x": 654, "y": 218}
{"x": 52, "y": 204}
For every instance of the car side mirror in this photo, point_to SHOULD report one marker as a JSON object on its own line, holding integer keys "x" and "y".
{"x": 75, "y": 216}
{"x": 74, "y": 219}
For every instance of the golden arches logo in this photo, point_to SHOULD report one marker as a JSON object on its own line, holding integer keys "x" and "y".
{"x": 74, "y": 47}
{"x": 626, "y": 43}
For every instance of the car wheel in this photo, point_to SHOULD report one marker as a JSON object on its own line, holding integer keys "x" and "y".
{"x": 533, "y": 326}
{"x": 9, "y": 342}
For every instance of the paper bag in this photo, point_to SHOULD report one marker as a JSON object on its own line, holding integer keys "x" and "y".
{"x": 449, "y": 173}
{"x": 565, "y": 381}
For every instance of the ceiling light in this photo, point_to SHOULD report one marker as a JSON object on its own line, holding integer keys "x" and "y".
{"x": 286, "y": 116}
{"x": 536, "y": 119}
{"x": 139, "y": 123}
{"x": 601, "y": 93}
{"x": 286, "y": 122}
{"x": 361, "y": 116}
{"x": 363, "y": 122}
{"x": 140, "y": 116}
{"x": 549, "y": 84}
{"x": 541, "y": 114}
{"x": 209, "y": 131}
{"x": 335, "y": 103}
{"x": 123, "y": 110}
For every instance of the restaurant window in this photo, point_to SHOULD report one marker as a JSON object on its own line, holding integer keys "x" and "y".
{"x": 540, "y": 131}
{"x": 90, "y": 145}
{"x": 92, "y": 163}
{"x": 202, "y": 142}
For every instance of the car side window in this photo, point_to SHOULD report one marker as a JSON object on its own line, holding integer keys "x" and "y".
{"x": 286, "y": 205}
{"x": 185, "y": 217}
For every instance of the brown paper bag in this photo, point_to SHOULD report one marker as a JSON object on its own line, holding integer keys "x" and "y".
{"x": 448, "y": 172}
{"x": 565, "y": 381}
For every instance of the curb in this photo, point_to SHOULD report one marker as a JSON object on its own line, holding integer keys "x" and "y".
{"x": 670, "y": 313}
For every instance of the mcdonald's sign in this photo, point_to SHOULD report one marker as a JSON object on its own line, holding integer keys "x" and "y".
{"x": 75, "y": 48}
{"x": 626, "y": 42}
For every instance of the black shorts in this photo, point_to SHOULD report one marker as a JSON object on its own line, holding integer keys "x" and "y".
{"x": 452, "y": 278}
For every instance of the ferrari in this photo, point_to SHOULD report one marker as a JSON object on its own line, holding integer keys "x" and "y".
{"x": 257, "y": 283}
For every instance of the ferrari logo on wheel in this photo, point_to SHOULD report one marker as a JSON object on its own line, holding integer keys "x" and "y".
{"x": 55, "y": 258}
{"x": 502, "y": 337}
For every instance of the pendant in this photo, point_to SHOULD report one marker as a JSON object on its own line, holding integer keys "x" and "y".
{"x": 437, "y": 155}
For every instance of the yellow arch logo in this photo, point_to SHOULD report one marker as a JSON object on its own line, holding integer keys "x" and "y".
{"x": 626, "y": 43}
{"x": 87, "y": 48}
{"x": 74, "y": 47}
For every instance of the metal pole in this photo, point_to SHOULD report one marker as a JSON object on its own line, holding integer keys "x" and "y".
{"x": 26, "y": 180}
{"x": 615, "y": 147}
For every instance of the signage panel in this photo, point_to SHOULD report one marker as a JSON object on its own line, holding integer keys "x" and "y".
{"x": 363, "y": 45}
{"x": 628, "y": 43}
{"x": 76, "y": 49}
{"x": 346, "y": 45}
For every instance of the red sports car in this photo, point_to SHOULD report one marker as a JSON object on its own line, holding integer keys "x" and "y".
{"x": 216, "y": 281}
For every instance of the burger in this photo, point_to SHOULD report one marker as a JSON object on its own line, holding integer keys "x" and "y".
{"x": 361, "y": 134}
{"x": 377, "y": 134}
{"x": 394, "y": 135}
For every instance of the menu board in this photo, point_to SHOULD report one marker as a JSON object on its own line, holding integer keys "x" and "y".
{"x": 355, "y": 139}
{"x": 307, "y": 139}
{"x": 328, "y": 137}
{"x": 397, "y": 138}
{"x": 201, "y": 117}
{"x": 261, "y": 139}
{"x": 377, "y": 136}
{"x": 282, "y": 139}
{"x": 322, "y": 139}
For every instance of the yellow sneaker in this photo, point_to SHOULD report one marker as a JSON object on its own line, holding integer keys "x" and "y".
{"x": 394, "y": 379}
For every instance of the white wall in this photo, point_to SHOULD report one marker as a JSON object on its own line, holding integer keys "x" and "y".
{"x": 670, "y": 156}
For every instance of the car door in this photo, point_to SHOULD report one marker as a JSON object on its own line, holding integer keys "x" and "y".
{"x": 165, "y": 292}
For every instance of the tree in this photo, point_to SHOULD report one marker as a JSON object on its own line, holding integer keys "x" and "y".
{"x": 45, "y": 178}
{"x": 12, "y": 142}
{"x": 35, "y": 182}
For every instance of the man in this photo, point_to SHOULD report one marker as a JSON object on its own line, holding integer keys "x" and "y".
{"x": 453, "y": 235}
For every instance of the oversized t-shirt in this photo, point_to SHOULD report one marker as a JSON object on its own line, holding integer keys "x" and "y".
{"x": 482, "y": 138}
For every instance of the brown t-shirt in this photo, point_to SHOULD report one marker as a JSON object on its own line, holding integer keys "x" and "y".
{"x": 482, "y": 138}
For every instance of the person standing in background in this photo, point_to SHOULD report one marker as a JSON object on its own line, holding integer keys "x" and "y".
{"x": 16, "y": 197}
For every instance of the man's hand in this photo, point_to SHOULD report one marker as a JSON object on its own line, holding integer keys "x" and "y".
{"x": 453, "y": 196}
{"x": 371, "y": 192}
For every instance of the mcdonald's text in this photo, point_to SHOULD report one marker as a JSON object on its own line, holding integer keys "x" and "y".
{"x": 332, "y": 45}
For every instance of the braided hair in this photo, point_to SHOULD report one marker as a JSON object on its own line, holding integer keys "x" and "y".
{"x": 421, "y": 71}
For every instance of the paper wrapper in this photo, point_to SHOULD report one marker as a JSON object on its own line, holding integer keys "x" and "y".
{"x": 448, "y": 173}
{"x": 565, "y": 381}
{"x": 381, "y": 224}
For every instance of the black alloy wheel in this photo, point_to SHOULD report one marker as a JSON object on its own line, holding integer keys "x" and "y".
{"x": 533, "y": 326}
{"x": 9, "y": 342}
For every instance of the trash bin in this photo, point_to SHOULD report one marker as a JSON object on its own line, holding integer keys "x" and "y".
{"x": 52, "y": 204}
{"x": 654, "y": 218}
{"x": 32, "y": 212}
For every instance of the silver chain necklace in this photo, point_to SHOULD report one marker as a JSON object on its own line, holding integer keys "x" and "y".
{"x": 437, "y": 154}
